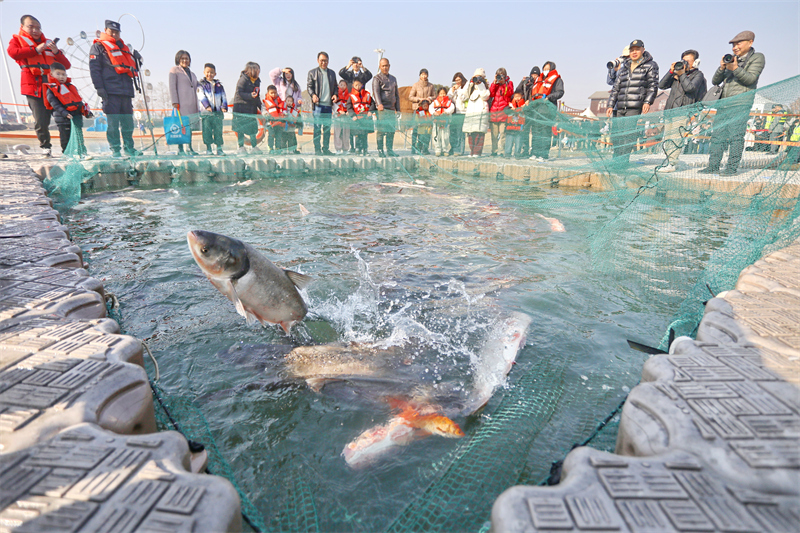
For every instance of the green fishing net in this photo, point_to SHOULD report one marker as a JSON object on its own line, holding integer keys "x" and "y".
{"x": 628, "y": 170}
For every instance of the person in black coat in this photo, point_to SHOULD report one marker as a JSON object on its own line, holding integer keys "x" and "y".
{"x": 634, "y": 91}
{"x": 115, "y": 89}
{"x": 322, "y": 88}
{"x": 355, "y": 70}
{"x": 246, "y": 102}
{"x": 686, "y": 85}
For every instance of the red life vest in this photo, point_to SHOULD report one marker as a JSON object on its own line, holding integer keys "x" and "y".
{"x": 361, "y": 102}
{"x": 292, "y": 113}
{"x": 274, "y": 108}
{"x": 440, "y": 106}
{"x": 119, "y": 54}
{"x": 40, "y": 63}
{"x": 516, "y": 119}
{"x": 66, "y": 93}
{"x": 341, "y": 105}
{"x": 422, "y": 112}
{"x": 542, "y": 86}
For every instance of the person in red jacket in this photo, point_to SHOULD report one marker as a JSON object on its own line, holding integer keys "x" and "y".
{"x": 34, "y": 53}
{"x": 501, "y": 91}
{"x": 273, "y": 105}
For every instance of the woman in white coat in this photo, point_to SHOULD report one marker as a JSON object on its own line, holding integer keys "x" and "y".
{"x": 476, "y": 119}
{"x": 183, "y": 93}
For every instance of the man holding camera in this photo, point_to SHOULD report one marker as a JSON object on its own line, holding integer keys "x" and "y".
{"x": 355, "y": 71}
{"x": 34, "y": 53}
{"x": 634, "y": 91}
{"x": 738, "y": 72}
{"x": 686, "y": 85}
{"x": 113, "y": 68}
{"x": 614, "y": 66}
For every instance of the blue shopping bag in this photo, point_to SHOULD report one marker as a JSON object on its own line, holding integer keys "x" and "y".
{"x": 177, "y": 129}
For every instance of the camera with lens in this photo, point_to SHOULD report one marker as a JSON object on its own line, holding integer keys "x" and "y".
{"x": 477, "y": 79}
{"x": 613, "y": 64}
{"x": 727, "y": 58}
{"x": 679, "y": 65}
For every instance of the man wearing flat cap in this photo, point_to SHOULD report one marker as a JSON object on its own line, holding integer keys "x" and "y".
{"x": 634, "y": 91}
{"x": 739, "y": 72}
{"x": 113, "y": 68}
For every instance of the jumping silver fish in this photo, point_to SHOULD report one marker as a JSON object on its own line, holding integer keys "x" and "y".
{"x": 259, "y": 289}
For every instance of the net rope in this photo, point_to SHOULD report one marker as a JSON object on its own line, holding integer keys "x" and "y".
{"x": 618, "y": 175}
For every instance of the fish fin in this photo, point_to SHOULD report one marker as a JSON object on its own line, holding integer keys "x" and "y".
{"x": 238, "y": 303}
{"x": 299, "y": 280}
{"x": 316, "y": 384}
{"x": 286, "y": 326}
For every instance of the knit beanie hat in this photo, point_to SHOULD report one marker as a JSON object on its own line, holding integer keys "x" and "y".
{"x": 479, "y": 72}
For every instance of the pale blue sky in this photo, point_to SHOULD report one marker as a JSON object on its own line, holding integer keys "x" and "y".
{"x": 444, "y": 37}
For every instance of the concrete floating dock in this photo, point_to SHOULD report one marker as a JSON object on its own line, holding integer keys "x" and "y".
{"x": 89, "y": 480}
{"x": 55, "y": 373}
{"x": 709, "y": 441}
{"x": 68, "y": 379}
{"x": 69, "y": 293}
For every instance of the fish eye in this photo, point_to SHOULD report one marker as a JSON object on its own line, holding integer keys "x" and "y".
{"x": 203, "y": 250}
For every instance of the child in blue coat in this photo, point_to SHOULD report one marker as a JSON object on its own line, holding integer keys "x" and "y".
{"x": 213, "y": 104}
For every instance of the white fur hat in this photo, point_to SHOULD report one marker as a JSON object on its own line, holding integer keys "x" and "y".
{"x": 479, "y": 72}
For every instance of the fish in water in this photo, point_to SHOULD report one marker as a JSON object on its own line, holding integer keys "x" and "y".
{"x": 229, "y": 188}
{"x": 259, "y": 289}
{"x": 497, "y": 357}
{"x": 414, "y": 422}
{"x": 555, "y": 224}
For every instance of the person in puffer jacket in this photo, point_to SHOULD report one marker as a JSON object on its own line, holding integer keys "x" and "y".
{"x": 634, "y": 91}
{"x": 501, "y": 91}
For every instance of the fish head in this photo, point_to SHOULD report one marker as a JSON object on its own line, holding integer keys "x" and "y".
{"x": 217, "y": 255}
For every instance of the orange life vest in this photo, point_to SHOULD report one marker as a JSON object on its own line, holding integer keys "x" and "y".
{"x": 40, "y": 63}
{"x": 66, "y": 93}
{"x": 119, "y": 54}
{"x": 361, "y": 102}
{"x": 291, "y": 112}
{"x": 426, "y": 126}
{"x": 515, "y": 119}
{"x": 440, "y": 106}
{"x": 341, "y": 104}
{"x": 542, "y": 86}
{"x": 274, "y": 108}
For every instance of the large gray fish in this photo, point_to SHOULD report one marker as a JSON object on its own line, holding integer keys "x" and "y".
{"x": 259, "y": 289}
